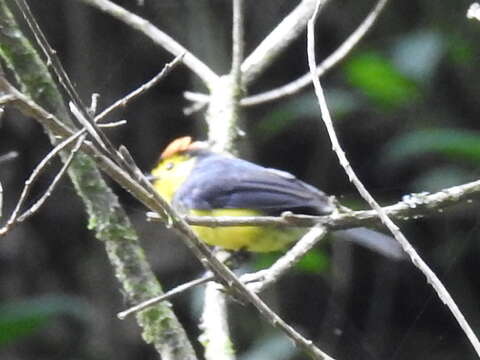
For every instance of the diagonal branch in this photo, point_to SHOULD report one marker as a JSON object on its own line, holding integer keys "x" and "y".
{"x": 158, "y": 36}
{"x": 278, "y": 40}
{"x": 15, "y": 217}
{"x": 50, "y": 54}
{"x": 432, "y": 279}
{"x": 171, "y": 293}
{"x": 141, "y": 90}
{"x": 333, "y": 59}
{"x": 8, "y": 156}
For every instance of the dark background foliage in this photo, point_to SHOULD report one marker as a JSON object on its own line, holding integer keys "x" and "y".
{"x": 405, "y": 105}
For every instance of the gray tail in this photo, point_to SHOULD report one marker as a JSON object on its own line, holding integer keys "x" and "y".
{"x": 373, "y": 240}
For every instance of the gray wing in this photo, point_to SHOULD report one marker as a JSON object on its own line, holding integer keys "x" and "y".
{"x": 220, "y": 182}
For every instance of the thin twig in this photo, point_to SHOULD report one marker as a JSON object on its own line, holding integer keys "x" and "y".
{"x": 8, "y": 156}
{"x": 194, "y": 108}
{"x": 112, "y": 124}
{"x": 91, "y": 128}
{"x": 14, "y": 217}
{"x": 1, "y": 200}
{"x": 51, "y": 54}
{"x": 432, "y": 279}
{"x": 142, "y": 89}
{"x": 278, "y": 40}
{"x": 196, "y": 97}
{"x": 92, "y": 110}
{"x": 199, "y": 102}
{"x": 297, "y": 85}
{"x": 265, "y": 278}
{"x": 35, "y": 207}
{"x": 76, "y": 104}
{"x": 238, "y": 44}
{"x": 167, "y": 296}
{"x": 333, "y": 59}
{"x": 158, "y": 37}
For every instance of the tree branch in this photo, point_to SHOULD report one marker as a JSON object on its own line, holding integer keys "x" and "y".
{"x": 8, "y": 156}
{"x": 158, "y": 37}
{"x": 333, "y": 59}
{"x": 432, "y": 279}
{"x": 15, "y": 217}
{"x": 265, "y": 278}
{"x": 167, "y": 296}
{"x": 123, "y": 102}
{"x": 238, "y": 43}
{"x": 278, "y": 40}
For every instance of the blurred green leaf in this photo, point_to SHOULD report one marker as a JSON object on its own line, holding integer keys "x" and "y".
{"x": 461, "y": 50}
{"x": 453, "y": 143}
{"x": 22, "y": 318}
{"x": 380, "y": 80}
{"x": 287, "y": 114}
{"x": 315, "y": 261}
{"x": 265, "y": 260}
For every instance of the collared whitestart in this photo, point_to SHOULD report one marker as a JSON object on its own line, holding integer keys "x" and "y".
{"x": 198, "y": 181}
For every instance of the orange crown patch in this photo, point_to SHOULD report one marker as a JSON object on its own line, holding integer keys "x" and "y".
{"x": 176, "y": 146}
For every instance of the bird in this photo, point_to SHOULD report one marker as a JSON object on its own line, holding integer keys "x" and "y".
{"x": 196, "y": 180}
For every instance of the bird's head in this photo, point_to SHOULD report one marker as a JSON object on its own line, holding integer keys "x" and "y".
{"x": 175, "y": 165}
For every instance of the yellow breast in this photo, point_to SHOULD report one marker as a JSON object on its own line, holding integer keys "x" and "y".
{"x": 251, "y": 238}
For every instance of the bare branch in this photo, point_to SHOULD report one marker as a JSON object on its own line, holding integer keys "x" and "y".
{"x": 1, "y": 200}
{"x": 14, "y": 217}
{"x": 158, "y": 37}
{"x": 333, "y": 59}
{"x": 196, "y": 97}
{"x": 238, "y": 43}
{"x": 278, "y": 40}
{"x": 51, "y": 54}
{"x": 199, "y": 102}
{"x": 432, "y": 279}
{"x": 168, "y": 295}
{"x": 214, "y": 325}
{"x": 35, "y": 207}
{"x": 142, "y": 89}
{"x": 92, "y": 109}
{"x": 112, "y": 124}
{"x": 195, "y": 107}
{"x": 265, "y": 278}
{"x": 8, "y": 156}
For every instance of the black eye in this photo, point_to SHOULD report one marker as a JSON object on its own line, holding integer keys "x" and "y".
{"x": 169, "y": 166}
